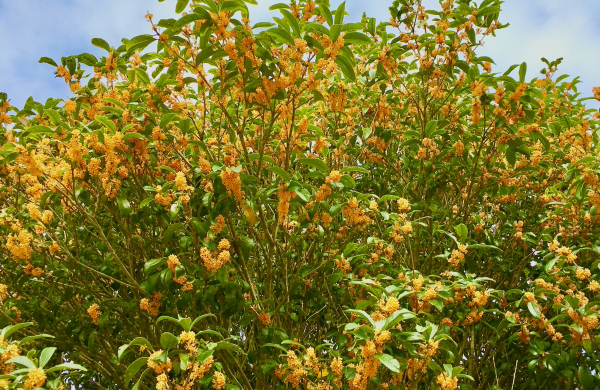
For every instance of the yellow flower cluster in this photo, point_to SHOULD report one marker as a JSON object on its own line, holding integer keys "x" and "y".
{"x": 368, "y": 366}
{"x": 446, "y": 381}
{"x": 189, "y": 339}
{"x": 36, "y": 377}
{"x": 158, "y": 366}
{"x": 20, "y": 245}
{"x": 219, "y": 380}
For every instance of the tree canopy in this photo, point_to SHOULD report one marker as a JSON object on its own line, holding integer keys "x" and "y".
{"x": 306, "y": 203}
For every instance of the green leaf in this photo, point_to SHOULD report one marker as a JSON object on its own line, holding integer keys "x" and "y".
{"x": 121, "y": 351}
{"x": 438, "y": 303}
{"x": 166, "y": 168}
{"x": 134, "y": 368}
{"x": 101, "y": 43}
{"x": 106, "y": 122}
{"x": 262, "y": 24}
{"x": 388, "y": 361}
{"x": 511, "y": 156}
{"x": 315, "y": 162}
{"x": 324, "y": 10}
{"x": 7, "y": 331}
{"x": 168, "y": 340}
{"x": 201, "y": 317}
{"x": 140, "y": 42}
{"x": 430, "y": 127}
{"x": 534, "y": 309}
{"x": 22, "y": 360}
{"x": 339, "y": 13}
{"x": 229, "y": 346}
{"x": 472, "y": 36}
{"x": 134, "y": 135}
{"x": 275, "y": 346}
{"x": 482, "y": 246}
{"x": 522, "y": 72}
{"x": 346, "y": 67}
{"x": 281, "y": 34}
{"x": 397, "y": 316}
{"x": 187, "y": 19}
{"x": 357, "y": 38}
{"x": 46, "y": 355}
{"x": 488, "y": 11}
{"x": 139, "y": 381}
{"x": 150, "y": 265}
{"x": 210, "y": 331}
{"x": 54, "y": 116}
{"x": 335, "y": 31}
{"x": 47, "y": 60}
{"x": 204, "y": 55}
{"x": 462, "y": 231}
{"x": 363, "y": 314}
{"x": 141, "y": 341}
{"x": 180, "y": 6}
{"x": 143, "y": 76}
{"x": 87, "y": 59}
{"x": 280, "y": 172}
{"x": 279, "y": 6}
{"x": 40, "y": 129}
{"x": 35, "y": 337}
{"x": 348, "y": 181}
{"x": 67, "y": 366}
{"x": 585, "y": 377}
{"x": 124, "y": 205}
{"x": 291, "y": 19}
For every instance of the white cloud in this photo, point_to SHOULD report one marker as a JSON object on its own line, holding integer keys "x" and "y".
{"x": 30, "y": 29}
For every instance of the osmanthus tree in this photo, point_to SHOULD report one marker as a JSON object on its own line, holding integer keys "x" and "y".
{"x": 303, "y": 204}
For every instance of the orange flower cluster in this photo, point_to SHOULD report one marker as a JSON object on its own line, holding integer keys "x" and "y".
{"x": 354, "y": 214}
{"x": 20, "y": 245}
{"x": 31, "y": 270}
{"x": 233, "y": 183}
{"x": 158, "y": 366}
{"x": 296, "y": 370}
{"x": 94, "y": 312}
{"x": 368, "y": 366}
{"x": 458, "y": 255}
{"x": 400, "y": 231}
{"x": 283, "y": 208}
{"x": 264, "y": 318}
{"x": 343, "y": 264}
{"x": 212, "y": 262}
{"x": 172, "y": 263}
{"x": 189, "y": 339}
{"x": 151, "y": 306}
{"x": 197, "y": 371}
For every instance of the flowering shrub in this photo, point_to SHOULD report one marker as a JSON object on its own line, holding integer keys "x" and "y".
{"x": 338, "y": 205}
{"x": 28, "y": 372}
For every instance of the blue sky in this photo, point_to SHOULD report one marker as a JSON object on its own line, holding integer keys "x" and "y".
{"x": 30, "y": 29}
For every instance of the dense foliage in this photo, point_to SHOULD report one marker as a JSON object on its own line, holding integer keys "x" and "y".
{"x": 306, "y": 204}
